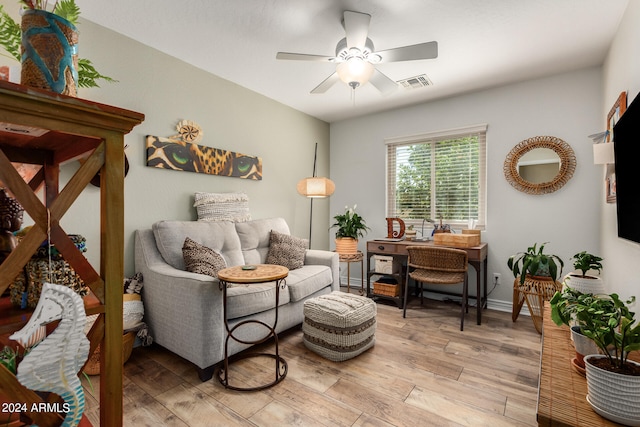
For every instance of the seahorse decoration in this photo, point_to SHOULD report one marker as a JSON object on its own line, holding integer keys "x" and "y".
{"x": 53, "y": 365}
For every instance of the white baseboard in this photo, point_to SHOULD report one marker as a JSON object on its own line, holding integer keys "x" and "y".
{"x": 492, "y": 304}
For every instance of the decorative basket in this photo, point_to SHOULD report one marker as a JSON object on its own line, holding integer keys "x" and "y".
{"x": 132, "y": 311}
{"x": 27, "y": 286}
{"x": 387, "y": 289}
{"x": 93, "y": 364}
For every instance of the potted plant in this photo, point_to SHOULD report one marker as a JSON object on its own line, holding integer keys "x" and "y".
{"x": 583, "y": 282}
{"x": 535, "y": 262}
{"x": 65, "y": 13}
{"x": 351, "y": 226}
{"x": 563, "y": 305}
{"x": 410, "y": 233}
{"x": 613, "y": 381}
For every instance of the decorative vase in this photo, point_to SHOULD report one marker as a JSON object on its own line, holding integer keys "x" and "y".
{"x": 346, "y": 245}
{"x": 49, "y": 52}
{"x": 612, "y": 395}
{"x": 586, "y": 285}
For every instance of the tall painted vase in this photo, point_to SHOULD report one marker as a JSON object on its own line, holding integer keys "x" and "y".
{"x": 49, "y": 52}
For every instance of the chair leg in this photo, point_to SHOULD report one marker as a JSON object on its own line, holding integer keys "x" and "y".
{"x": 421, "y": 293}
{"x": 465, "y": 301}
{"x": 406, "y": 294}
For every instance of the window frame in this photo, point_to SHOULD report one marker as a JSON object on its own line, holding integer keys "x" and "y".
{"x": 431, "y": 138}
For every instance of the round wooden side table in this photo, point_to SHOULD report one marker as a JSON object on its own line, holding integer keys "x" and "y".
{"x": 349, "y": 258}
{"x": 251, "y": 274}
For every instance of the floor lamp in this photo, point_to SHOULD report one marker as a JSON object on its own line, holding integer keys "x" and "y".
{"x": 315, "y": 187}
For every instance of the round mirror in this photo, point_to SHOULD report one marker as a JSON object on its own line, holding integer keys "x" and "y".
{"x": 539, "y": 165}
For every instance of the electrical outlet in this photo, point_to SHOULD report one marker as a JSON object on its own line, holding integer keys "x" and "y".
{"x": 496, "y": 278}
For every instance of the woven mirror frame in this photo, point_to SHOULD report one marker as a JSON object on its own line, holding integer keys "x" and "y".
{"x": 560, "y": 147}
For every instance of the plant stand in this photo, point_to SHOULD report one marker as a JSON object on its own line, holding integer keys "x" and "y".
{"x": 535, "y": 291}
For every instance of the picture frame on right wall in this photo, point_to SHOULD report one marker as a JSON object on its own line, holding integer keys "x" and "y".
{"x": 618, "y": 109}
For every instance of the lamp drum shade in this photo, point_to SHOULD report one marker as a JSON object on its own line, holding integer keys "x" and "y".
{"x": 603, "y": 154}
{"x": 316, "y": 187}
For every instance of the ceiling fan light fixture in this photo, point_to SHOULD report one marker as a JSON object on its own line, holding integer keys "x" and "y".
{"x": 355, "y": 71}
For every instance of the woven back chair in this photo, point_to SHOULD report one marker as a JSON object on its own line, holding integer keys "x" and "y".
{"x": 438, "y": 266}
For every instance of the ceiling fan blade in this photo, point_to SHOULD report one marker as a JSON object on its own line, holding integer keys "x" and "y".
{"x": 356, "y": 28}
{"x": 326, "y": 84}
{"x": 303, "y": 57}
{"x": 383, "y": 83}
{"x": 427, "y": 50}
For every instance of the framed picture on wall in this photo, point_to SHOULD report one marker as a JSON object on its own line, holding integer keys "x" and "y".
{"x": 614, "y": 115}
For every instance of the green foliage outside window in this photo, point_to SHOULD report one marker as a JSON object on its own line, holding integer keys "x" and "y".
{"x": 453, "y": 173}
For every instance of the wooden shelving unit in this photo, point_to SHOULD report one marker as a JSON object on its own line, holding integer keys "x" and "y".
{"x": 47, "y": 129}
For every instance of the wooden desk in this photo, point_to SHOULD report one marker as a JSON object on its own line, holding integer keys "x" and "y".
{"x": 562, "y": 391}
{"x": 398, "y": 250}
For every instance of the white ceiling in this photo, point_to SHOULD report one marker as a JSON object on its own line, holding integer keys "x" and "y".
{"x": 481, "y": 43}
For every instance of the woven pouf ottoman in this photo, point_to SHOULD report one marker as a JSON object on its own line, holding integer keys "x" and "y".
{"x": 339, "y": 326}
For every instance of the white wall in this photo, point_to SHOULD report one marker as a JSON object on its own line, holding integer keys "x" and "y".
{"x": 621, "y": 73}
{"x": 166, "y": 91}
{"x": 566, "y": 106}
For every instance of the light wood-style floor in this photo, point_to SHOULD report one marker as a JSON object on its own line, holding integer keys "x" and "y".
{"x": 422, "y": 371}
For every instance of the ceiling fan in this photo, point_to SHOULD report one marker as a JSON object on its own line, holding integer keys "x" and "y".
{"x": 355, "y": 56}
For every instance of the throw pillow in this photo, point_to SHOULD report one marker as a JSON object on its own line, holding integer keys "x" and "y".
{"x": 285, "y": 250}
{"x": 232, "y": 207}
{"x": 201, "y": 259}
{"x": 133, "y": 285}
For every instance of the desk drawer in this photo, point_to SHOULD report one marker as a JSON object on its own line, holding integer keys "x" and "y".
{"x": 382, "y": 247}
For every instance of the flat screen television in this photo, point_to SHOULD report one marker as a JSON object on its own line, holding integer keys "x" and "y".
{"x": 626, "y": 145}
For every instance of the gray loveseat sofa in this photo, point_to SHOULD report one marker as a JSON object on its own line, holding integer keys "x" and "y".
{"x": 184, "y": 310}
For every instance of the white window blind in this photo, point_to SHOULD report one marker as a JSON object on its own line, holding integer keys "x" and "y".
{"x": 441, "y": 175}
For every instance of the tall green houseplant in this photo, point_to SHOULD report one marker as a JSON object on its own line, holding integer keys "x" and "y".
{"x": 11, "y": 37}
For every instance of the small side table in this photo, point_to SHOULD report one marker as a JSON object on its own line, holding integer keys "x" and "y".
{"x": 248, "y": 275}
{"x": 534, "y": 291}
{"x": 349, "y": 258}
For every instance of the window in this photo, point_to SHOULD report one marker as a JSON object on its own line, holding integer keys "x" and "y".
{"x": 440, "y": 175}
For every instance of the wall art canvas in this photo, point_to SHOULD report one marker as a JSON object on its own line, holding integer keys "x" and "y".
{"x": 170, "y": 153}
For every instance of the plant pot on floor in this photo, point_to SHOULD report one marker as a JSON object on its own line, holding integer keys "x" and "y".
{"x": 50, "y": 52}
{"x": 613, "y": 395}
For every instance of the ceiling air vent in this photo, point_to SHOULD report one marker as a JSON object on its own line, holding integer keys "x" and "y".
{"x": 416, "y": 82}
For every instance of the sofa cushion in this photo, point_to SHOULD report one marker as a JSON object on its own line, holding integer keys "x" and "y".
{"x": 255, "y": 235}
{"x": 244, "y": 300}
{"x": 287, "y": 251}
{"x": 201, "y": 259}
{"x": 219, "y": 236}
{"x": 307, "y": 280}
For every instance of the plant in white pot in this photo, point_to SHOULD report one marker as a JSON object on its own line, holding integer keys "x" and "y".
{"x": 579, "y": 280}
{"x": 563, "y": 306}
{"x": 351, "y": 226}
{"x": 613, "y": 381}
